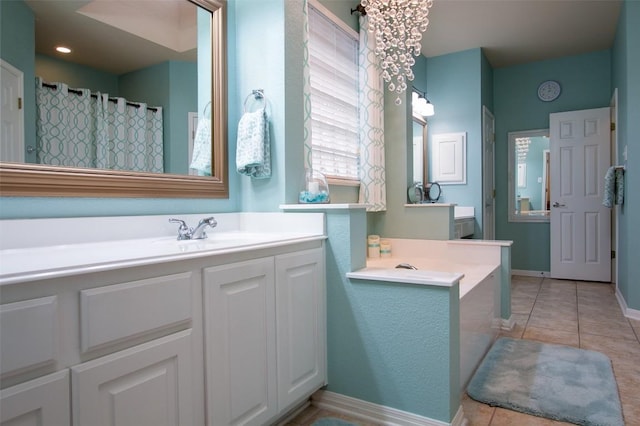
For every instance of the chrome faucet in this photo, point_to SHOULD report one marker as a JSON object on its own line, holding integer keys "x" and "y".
{"x": 186, "y": 233}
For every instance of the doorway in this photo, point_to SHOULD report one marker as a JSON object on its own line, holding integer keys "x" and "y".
{"x": 488, "y": 174}
{"x": 11, "y": 113}
{"x": 580, "y": 224}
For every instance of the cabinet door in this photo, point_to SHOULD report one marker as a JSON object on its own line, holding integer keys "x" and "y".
{"x": 147, "y": 385}
{"x": 240, "y": 343}
{"x": 301, "y": 325}
{"x": 43, "y": 401}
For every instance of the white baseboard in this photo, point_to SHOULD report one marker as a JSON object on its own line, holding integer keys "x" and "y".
{"x": 626, "y": 311}
{"x": 525, "y": 273}
{"x": 378, "y": 414}
{"x": 504, "y": 324}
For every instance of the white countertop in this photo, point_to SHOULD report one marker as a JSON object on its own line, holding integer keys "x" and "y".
{"x": 21, "y": 265}
{"x": 407, "y": 276}
{"x": 21, "y": 259}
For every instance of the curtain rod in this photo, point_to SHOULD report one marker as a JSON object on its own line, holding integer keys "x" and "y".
{"x": 79, "y": 92}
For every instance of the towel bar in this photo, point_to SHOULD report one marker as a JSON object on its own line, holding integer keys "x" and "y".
{"x": 258, "y": 94}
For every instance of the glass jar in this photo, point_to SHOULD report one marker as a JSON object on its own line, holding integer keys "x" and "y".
{"x": 315, "y": 188}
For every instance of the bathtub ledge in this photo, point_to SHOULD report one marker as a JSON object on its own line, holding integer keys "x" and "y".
{"x": 407, "y": 276}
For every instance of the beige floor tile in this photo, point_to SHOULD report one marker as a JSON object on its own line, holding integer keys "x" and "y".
{"x": 619, "y": 330}
{"x": 631, "y": 412}
{"x": 503, "y": 417}
{"x": 547, "y": 335}
{"x": 522, "y": 304}
{"x": 554, "y": 322}
{"x": 621, "y": 351}
{"x": 476, "y": 413}
{"x": 526, "y": 279}
{"x": 557, "y": 308}
{"x": 635, "y": 324}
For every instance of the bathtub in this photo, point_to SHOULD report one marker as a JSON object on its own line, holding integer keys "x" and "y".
{"x": 477, "y": 264}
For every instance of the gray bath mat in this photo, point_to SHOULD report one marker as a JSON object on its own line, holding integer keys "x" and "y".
{"x": 330, "y": 421}
{"x": 553, "y": 381}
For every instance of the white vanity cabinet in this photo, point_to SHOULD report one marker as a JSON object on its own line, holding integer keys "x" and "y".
{"x": 300, "y": 325}
{"x": 265, "y": 339}
{"x": 103, "y": 349}
{"x": 42, "y": 401}
{"x": 154, "y": 331}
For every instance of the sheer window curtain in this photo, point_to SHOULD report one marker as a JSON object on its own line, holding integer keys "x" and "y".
{"x": 306, "y": 88}
{"x": 371, "y": 111}
{"x": 372, "y": 163}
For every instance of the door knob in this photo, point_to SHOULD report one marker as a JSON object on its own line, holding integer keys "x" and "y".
{"x": 557, "y": 204}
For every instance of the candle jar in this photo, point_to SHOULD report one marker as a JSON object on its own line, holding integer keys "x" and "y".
{"x": 315, "y": 188}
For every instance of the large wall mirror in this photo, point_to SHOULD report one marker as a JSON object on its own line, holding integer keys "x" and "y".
{"x": 529, "y": 172}
{"x": 167, "y": 56}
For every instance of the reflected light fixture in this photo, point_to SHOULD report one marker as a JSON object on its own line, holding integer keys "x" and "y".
{"x": 397, "y": 26}
{"x": 63, "y": 49}
{"x": 420, "y": 104}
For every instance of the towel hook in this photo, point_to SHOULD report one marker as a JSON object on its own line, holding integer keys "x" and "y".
{"x": 258, "y": 95}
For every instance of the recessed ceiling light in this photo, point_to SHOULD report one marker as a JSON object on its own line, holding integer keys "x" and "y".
{"x": 63, "y": 49}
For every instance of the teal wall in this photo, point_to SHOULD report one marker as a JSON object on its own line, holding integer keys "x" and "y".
{"x": 75, "y": 75}
{"x": 626, "y": 78}
{"x": 172, "y": 85}
{"x": 586, "y": 83}
{"x": 17, "y": 47}
{"x": 379, "y": 349}
{"x": 454, "y": 83}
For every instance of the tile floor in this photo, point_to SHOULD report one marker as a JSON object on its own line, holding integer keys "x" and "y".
{"x": 581, "y": 314}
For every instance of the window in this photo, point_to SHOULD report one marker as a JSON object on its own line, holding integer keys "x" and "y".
{"x": 333, "y": 51}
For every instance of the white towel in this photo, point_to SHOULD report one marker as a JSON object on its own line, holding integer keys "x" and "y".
{"x": 619, "y": 186}
{"x": 201, "y": 158}
{"x": 253, "y": 151}
{"x": 609, "y": 187}
{"x": 613, "y": 187}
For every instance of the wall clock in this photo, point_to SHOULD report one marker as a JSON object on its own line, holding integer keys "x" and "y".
{"x": 548, "y": 90}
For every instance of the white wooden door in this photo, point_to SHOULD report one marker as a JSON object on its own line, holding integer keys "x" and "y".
{"x": 11, "y": 114}
{"x": 240, "y": 343}
{"x": 580, "y": 224}
{"x": 43, "y": 401}
{"x": 147, "y": 385}
{"x": 488, "y": 173}
{"x": 300, "y": 325}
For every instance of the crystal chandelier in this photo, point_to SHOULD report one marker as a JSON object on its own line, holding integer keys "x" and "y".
{"x": 397, "y": 26}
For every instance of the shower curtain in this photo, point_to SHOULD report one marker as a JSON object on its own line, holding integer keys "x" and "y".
{"x": 76, "y": 128}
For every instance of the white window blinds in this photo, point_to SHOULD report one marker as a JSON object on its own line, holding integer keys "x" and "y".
{"x": 334, "y": 98}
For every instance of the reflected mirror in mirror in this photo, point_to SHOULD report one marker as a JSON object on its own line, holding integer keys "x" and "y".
{"x": 419, "y": 150}
{"x": 529, "y": 182}
{"x": 138, "y": 93}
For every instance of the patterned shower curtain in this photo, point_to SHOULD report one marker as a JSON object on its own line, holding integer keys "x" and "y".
{"x": 76, "y": 128}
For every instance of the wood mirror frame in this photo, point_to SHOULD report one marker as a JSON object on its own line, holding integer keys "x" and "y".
{"x": 31, "y": 180}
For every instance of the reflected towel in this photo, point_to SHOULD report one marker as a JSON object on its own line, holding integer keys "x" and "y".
{"x": 201, "y": 158}
{"x": 613, "y": 187}
{"x": 253, "y": 151}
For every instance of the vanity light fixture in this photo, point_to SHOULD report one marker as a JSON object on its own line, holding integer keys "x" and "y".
{"x": 397, "y": 26}
{"x": 420, "y": 104}
{"x": 63, "y": 49}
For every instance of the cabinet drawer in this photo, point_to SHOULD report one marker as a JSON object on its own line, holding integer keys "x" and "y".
{"x": 28, "y": 335}
{"x": 42, "y": 401}
{"x": 112, "y": 313}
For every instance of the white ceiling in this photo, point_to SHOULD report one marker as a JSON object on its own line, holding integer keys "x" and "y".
{"x": 519, "y": 31}
{"x": 509, "y": 31}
